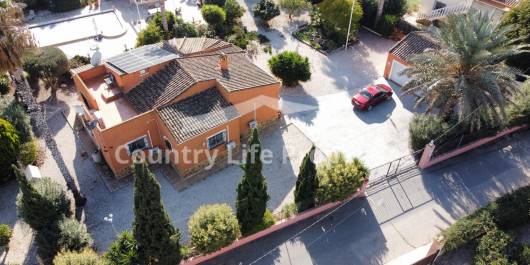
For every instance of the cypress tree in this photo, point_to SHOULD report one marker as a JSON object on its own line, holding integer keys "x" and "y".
{"x": 252, "y": 194}
{"x": 307, "y": 183}
{"x": 157, "y": 239}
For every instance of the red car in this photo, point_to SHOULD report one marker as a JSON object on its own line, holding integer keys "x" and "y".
{"x": 371, "y": 96}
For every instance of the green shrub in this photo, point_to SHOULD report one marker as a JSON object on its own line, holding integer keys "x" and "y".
{"x": 5, "y": 235}
{"x": 184, "y": 29}
{"x": 123, "y": 251}
{"x": 73, "y": 235}
{"x": 46, "y": 62}
{"x": 65, "y": 5}
{"x": 170, "y": 18}
{"x": 335, "y": 15}
{"x": 220, "y": 3}
{"x": 213, "y": 15}
{"x": 28, "y": 153}
{"x": 519, "y": 111}
{"x": 369, "y": 12}
{"x": 85, "y": 257}
{"x": 150, "y": 35}
{"x": 492, "y": 247}
{"x": 424, "y": 128}
{"x": 4, "y": 85}
{"x": 467, "y": 229}
{"x": 387, "y": 24}
{"x": 213, "y": 227}
{"x": 9, "y": 145}
{"x": 266, "y": 10}
{"x": 78, "y": 61}
{"x": 289, "y": 210}
{"x": 511, "y": 210}
{"x": 233, "y": 11}
{"x": 44, "y": 207}
{"x": 522, "y": 255}
{"x": 339, "y": 178}
{"x": 397, "y": 8}
{"x": 13, "y": 112}
{"x": 268, "y": 221}
{"x": 290, "y": 67}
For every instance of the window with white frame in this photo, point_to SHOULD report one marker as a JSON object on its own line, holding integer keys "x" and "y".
{"x": 138, "y": 144}
{"x": 216, "y": 139}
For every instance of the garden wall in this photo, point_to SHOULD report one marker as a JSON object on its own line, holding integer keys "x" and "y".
{"x": 275, "y": 228}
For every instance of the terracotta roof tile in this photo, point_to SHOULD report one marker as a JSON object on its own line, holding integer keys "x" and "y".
{"x": 414, "y": 43}
{"x": 197, "y": 114}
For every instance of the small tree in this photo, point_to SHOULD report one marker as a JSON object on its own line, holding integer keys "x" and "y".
{"x": 41, "y": 204}
{"x": 424, "y": 128}
{"x": 49, "y": 64}
{"x": 170, "y": 18}
{"x": 307, "y": 183}
{"x": 212, "y": 227}
{"x": 335, "y": 15}
{"x": 158, "y": 241}
{"x": 293, "y": 7}
{"x": 184, "y": 29}
{"x": 214, "y": 15}
{"x": 9, "y": 145}
{"x": 151, "y": 34}
{"x": 73, "y": 235}
{"x": 233, "y": 11}
{"x": 123, "y": 251}
{"x": 518, "y": 19}
{"x": 5, "y": 235}
{"x": 290, "y": 67}
{"x": 339, "y": 178}
{"x": 252, "y": 194}
{"x": 84, "y": 257}
{"x": 266, "y": 10}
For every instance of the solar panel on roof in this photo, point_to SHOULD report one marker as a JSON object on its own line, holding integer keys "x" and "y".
{"x": 141, "y": 58}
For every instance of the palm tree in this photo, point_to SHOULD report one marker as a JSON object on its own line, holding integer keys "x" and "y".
{"x": 466, "y": 78}
{"x": 380, "y": 7}
{"x": 14, "y": 39}
{"x": 164, "y": 18}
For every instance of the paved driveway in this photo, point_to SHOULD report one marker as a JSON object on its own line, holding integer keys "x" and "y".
{"x": 321, "y": 107}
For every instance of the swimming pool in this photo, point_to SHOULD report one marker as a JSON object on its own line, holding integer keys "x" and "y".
{"x": 77, "y": 28}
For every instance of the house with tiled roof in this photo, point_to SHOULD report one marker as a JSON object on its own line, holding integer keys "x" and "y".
{"x": 186, "y": 95}
{"x": 399, "y": 56}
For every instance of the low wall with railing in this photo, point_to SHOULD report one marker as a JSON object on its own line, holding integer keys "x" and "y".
{"x": 427, "y": 159}
{"x": 275, "y": 228}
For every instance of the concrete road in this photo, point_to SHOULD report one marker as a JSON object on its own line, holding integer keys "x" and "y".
{"x": 399, "y": 215}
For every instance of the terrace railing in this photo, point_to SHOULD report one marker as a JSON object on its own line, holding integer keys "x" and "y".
{"x": 461, "y": 8}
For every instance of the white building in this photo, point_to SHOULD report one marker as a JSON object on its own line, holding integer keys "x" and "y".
{"x": 434, "y": 9}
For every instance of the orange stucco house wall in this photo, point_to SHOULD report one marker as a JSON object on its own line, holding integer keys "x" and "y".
{"x": 259, "y": 103}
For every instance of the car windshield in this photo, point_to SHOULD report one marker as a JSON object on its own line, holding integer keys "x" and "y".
{"x": 366, "y": 94}
{"x": 381, "y": 88}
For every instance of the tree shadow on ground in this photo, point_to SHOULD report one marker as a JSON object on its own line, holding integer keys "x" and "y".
{"x": 296, "y": 103}
{"x": 462, "y": 184}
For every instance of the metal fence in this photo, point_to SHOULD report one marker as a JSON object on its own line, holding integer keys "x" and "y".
{"x": 398, "y": 167}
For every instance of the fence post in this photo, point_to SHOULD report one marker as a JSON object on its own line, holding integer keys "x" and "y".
{"x": 426, "y": 155}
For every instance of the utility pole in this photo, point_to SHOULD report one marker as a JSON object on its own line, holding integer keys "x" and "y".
{"x": 349, "y": 25}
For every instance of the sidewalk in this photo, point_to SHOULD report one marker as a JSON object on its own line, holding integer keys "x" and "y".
{"x": 400, "y": 215}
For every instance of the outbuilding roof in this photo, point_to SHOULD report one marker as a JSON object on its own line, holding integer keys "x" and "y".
{"x": 415, "y": 42}
{"x": 197, "y": 114}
